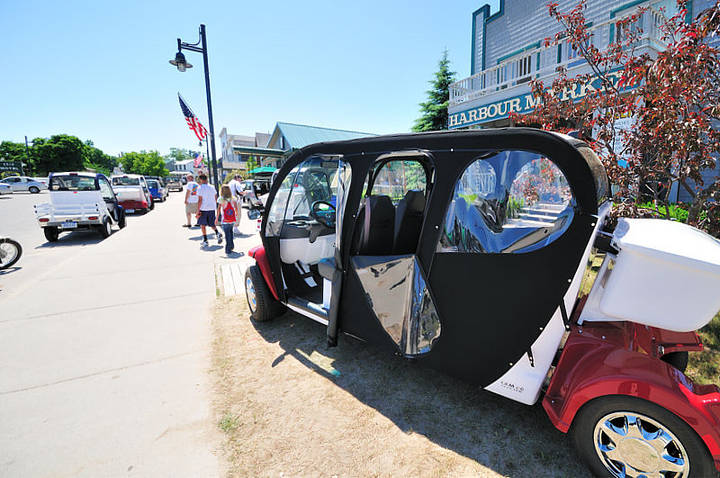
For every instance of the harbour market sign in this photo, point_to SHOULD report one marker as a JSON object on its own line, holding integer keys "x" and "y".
{"x": 523, "y": 104}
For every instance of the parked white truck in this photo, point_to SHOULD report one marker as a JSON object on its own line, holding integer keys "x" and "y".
{"x": 79, "y": 200}
{"x": 133, "y": 192}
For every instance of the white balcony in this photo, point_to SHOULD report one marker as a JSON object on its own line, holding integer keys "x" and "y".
{"x": 542, "y": 63}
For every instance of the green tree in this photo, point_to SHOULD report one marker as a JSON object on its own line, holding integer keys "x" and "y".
{"x": 95, "y": 159}
{"x": 435, "y": 110}
{"x": 250, "y": 164}
{"x": 179, "y": 154}
{"x": 147, "y": 163}
{"x": 10, "y": 151}
{"x": 61, "y": 152}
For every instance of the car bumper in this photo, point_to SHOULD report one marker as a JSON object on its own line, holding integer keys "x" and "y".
{"x": 132, "y": 204}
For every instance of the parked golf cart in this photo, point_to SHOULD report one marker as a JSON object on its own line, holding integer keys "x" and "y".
{"x": 485, "y": 254}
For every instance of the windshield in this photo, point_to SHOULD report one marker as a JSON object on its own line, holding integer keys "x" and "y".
{"x": 72, "y": 183}
{"x": 153, "y": 184}
{"x": 125, "y": 181}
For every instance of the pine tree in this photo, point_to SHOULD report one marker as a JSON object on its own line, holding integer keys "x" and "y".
{"x": 435, "y": 110}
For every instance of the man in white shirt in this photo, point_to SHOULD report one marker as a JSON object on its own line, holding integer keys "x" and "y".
{"x": 191, "y": 199}
{"x": 235, "y": 187}
{"x": 207, "y": 202}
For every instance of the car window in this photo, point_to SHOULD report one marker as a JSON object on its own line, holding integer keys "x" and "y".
{"x": 125, "y": 181}
{"x": 153, "y": 184}
{"x": 106, "y": 190}
{"x": 508, "y": 202}
{"x": 279, "y": 204}
{"x": 395, "y": 178}
{"x": 70, "y": 182}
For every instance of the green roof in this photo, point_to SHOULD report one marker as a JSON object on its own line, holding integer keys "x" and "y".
{"x": 300, "y": 135}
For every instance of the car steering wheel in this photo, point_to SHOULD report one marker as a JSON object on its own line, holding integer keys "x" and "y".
{"x": 321, "y": 216}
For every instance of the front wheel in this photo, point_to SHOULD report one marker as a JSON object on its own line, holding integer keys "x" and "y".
{"x": 263, "y": 306}
{"x": 10, "y": 252}
{"x": 51, "y": 233}
{"x": 623, "y": 436}
{"x": 122, "y": 221}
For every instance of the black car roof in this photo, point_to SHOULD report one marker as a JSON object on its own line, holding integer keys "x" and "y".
{"x": 585, "y": 174}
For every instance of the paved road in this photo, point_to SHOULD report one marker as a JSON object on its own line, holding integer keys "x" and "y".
{"x": 17, "y": 220}
{"x": 104, "y": 350}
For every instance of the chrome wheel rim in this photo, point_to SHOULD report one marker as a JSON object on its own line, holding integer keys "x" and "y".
{"x": 630, "y": 444}
{"x": 250, "y": 292}
{"x": 108, "y": 228}
{"x": 8, "y": 253}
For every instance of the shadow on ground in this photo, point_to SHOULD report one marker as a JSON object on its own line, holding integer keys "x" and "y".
{"x": 10, "y": 270}
{"x": 506, "y": 436}
{"x": 77, "y": 238}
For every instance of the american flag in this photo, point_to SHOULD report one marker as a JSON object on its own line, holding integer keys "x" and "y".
{"x": 198, "y": 160}
{"x": 192, "y": 121}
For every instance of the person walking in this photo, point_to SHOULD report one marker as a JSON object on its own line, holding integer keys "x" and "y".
{"x": 237, "y": 192}
{"x": 207, "y": 201}
{"x": 227, "y": 212}
{"x": 235, "y": 187}
{"x": 191, "y": 199}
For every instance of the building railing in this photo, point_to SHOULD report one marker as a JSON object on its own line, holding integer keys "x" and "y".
{"x": 542, "y": 62}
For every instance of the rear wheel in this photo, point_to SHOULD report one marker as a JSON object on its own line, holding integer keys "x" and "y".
{"x": 151, "y": 205}
{"x": 121, "y": 221}
{"x": 34, "y": 189}
{"x": 51, "y": 233}
{"x": 623, "y": 436}
{"x": 106, "y": 228}
{"x": 263, "y": 306}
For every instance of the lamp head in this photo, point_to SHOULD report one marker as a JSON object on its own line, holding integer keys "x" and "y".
{"x": 180, "y": 62}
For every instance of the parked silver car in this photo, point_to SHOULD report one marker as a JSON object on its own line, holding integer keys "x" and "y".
{"x": 24, "y": 183}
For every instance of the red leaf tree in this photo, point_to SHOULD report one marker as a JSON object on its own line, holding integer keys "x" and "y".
{"x": 673, "y": 98}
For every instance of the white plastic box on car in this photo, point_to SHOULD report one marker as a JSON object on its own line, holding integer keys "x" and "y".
{"x": 667, "y": 275}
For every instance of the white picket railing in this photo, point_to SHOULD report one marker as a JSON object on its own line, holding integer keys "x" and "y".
{"x": 542, "y": 63}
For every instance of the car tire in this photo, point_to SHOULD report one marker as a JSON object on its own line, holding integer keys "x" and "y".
{"x": 51, "y": 233}
{"x": 18, "y": 252}
{"x": 105, "y": 229}
{"x": 151, "y": 205}
{"x": 122, "y": 222}
{"x": 263, "y": 306}
{"x": 595, "y": 445}
{"x": 34, "y": 189}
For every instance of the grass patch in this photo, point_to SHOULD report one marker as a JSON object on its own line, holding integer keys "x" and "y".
{"x": 704, "y": 367}
{"x": 229, "y": 422}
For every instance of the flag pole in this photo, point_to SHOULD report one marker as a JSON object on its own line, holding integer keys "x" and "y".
{"x": 207, "y": 148}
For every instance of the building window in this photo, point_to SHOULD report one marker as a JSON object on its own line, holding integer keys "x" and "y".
{"x": 509, "y": 202}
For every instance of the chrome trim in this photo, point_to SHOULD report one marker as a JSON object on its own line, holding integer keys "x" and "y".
{"x": 631, "y": 445}
{"x": 250, "y": 295}
{"x": 307, "y": 314}
{"x": 398, "y": 294}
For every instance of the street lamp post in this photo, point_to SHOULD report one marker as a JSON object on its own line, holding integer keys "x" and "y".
{"x": 201, "y": 47}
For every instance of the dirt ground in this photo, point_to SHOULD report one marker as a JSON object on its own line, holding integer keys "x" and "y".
{"x": 290, "y": 406}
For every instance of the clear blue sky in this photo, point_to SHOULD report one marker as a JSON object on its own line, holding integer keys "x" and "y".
{"x": 99, "y": 70}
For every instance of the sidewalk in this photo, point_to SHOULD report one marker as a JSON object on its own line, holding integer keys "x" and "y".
{"x": 104, "y": 358}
